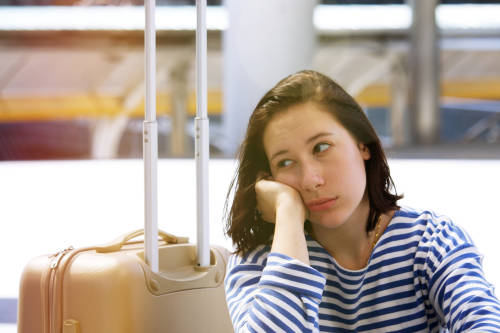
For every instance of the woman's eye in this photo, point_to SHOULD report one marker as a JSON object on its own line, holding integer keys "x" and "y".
{"x": 284, "y": 163}
{"x": 321, "y": 147}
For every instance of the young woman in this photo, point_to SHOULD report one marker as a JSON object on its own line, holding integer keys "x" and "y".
{"x": 321, "y": 243}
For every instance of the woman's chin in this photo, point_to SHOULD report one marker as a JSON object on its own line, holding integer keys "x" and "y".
{"x": 325, "y": 222}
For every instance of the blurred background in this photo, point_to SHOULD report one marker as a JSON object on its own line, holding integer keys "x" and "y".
{"x": 426, "y": 72}
{"x": 71, "y": 74}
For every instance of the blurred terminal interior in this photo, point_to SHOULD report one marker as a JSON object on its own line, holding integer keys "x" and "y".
{"x": 71, "y": 77}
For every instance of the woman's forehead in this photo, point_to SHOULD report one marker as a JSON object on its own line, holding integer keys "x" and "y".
{"x": 299, "y": 119}
{"x": 298, "y": 124}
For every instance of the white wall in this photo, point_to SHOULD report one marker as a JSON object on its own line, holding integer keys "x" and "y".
{"x": 47, "y": 206}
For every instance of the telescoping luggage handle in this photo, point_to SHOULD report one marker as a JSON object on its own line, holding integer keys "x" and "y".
{"x": 150, "y": 139}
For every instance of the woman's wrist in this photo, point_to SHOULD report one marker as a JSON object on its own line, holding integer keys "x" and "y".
{"x": 291, "y": 199}
{"x": 289, "y": 238}
{"x": 290, "y": 212}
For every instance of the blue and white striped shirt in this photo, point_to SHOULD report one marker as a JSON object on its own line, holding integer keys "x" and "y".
{"x": 424, "y": 275}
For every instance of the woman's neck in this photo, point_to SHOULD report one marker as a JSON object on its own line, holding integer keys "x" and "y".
{"x": 349, "y": 243}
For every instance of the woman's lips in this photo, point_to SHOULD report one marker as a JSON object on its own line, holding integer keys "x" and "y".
{"x": 321, "y": 204}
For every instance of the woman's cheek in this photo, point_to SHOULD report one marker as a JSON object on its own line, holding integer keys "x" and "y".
{"x": 287, "y": 178}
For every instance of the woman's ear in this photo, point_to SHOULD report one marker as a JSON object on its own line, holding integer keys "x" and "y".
{"x": 365, "y": 152}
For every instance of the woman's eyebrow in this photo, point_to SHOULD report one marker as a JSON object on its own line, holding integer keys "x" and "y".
{"x": 317, "y": 136}
{"x": 314, "y": 137}
{"x": 281, "y": 152}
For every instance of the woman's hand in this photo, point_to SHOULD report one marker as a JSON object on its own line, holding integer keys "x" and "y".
{"x": 273, "y": 195}
{"x": 281, "y": 204}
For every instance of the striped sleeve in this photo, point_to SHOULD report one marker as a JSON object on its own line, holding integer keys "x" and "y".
{"x": 271, "y": 292}
{"x": 458, "y": 290}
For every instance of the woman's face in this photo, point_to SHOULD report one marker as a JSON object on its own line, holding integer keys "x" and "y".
{"x": 310, "y": 151}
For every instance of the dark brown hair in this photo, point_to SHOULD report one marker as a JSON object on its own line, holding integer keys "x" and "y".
{"x": 243, "y": 225}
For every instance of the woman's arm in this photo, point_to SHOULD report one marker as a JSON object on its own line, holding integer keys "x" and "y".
{"x": 282, "y": 205}
{"x": 458, "y": 290}
{"x": 273, "y": 289}
{"x": 271, "y": 292}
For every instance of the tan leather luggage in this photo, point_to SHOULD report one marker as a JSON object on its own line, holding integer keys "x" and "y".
{"x": 132, "y": 286}
{"x": 111, "y": 289}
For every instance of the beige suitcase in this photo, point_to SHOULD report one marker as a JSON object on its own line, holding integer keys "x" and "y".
{"x": 111, "y": 289}
{"x": 137, "y": 286}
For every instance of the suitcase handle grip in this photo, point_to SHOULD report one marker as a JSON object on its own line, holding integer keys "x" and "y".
{"x": 117, "y": 244}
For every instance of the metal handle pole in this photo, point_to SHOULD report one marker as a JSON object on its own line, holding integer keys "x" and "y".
{"x": 202, "y": 136}
{"x": 150, "y": 141}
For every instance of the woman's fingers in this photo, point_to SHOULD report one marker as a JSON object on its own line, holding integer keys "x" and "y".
{"x": 270, "y": 194}
{"x": 265, "y": 200}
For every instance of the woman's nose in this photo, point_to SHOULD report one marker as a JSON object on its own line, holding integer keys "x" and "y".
{"x": 312, "y": 178}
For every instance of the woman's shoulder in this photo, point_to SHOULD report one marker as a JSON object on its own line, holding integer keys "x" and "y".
{"x": 433, "y": 226}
